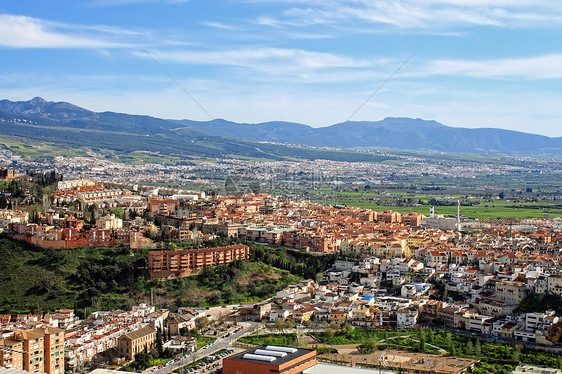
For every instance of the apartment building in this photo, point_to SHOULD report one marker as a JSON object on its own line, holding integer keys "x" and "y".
{"x": 11, "y": 354}
{"x": 183, "y": 263}
{"x": 555, "y": 285}
{"x": 53, "y": 349}
{"x": 510, "y": 292}
{"x": 33, "y": 344}
{"x": 162, "y": 206}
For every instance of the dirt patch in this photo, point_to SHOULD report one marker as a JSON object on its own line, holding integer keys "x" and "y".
{"x": 253, "y": 277}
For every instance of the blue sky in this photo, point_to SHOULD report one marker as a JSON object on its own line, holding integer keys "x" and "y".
{"x": 474, "y": 63}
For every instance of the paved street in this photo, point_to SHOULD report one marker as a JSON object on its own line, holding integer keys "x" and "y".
{"x": 223, "y": 343}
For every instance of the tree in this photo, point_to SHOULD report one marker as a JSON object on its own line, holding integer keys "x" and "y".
{"x": 469, "y": 348}
{"x": 347, "y": 329}
{"x": 117, "y": 211}
{"x": 280, "y": 325}
{"x": 386, "y": 338}
{"x": 142, "y": 361}
{"x": 478, "y": 348}
{"x": 449, "y": 342}
{"x": 369, "y": 345}
{"x": 201, "y": 323}
{"x": 422, "y": 344}
{"x": 159, "y": 345}
{"x": 516, "y": 354}
{"x": 329, "y": 334}
{"x": 431, "y": 337}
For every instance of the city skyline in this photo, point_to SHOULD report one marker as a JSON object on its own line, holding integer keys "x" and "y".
{"x": 485, "y": 63}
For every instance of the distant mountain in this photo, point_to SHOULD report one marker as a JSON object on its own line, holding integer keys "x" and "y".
{"x": 68, "y": 123}
{"x": 397, "y": 133}
{"x": 64, "y": 123}
{"x": 47, "y": 109}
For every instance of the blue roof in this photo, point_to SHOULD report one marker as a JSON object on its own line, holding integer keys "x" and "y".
{"x": 367, "y": 297}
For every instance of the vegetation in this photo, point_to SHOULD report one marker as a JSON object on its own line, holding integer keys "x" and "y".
{"x": 44, "y": 280}
{"x": 273, "y": 339}
{"x": 541, "y": 303}
{"x": 494, "y": 358}
{"x": 237, "y": 282}
{"x": 303, "y": 264}
{"x": 86, "y": 279}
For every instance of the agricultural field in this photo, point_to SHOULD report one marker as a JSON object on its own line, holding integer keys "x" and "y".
{"x": 473, "y": 207}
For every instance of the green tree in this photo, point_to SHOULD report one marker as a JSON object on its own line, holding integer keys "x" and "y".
{"x": 449, "y": 341}
{"x": 469, "y": 348}
{"x": 516, "y": 353}
{"x": 478, "y": 348}
{"x": 159, "y": 345}
{"x": 329, "y": 332}
{"x": 142, "y": 361}
{"x": 117, "y": 211}
{"x": 280, "y": 325}
{"x": 347, "y": 329}
{"x": 431, "y": 337}
{"x": 369, "y": 345}
{"x": 422, "y": 344}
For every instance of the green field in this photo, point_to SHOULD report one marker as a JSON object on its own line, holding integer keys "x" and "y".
{"x": 482, "y": 208}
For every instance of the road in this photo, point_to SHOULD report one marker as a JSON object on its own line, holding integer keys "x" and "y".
{"x": 222, "y": 343}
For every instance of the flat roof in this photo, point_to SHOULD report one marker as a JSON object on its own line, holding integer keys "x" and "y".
{"x": 278, "y": 360}
{"x": 324, "y": 368}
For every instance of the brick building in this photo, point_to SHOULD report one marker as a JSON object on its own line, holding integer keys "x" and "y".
{"x": 186, "y": 262}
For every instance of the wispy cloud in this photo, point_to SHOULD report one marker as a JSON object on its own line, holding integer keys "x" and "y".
{"x": 538, "y": 67}
{"x": 271, "y": 60}
{"x": 26, "y": 32}
{"x": 417, "y": 14}
{"x": 109, "y": 3}
{"x": 222, "y": 26}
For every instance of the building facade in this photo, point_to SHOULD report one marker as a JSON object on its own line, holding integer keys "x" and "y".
{"x": 183, "y": 263}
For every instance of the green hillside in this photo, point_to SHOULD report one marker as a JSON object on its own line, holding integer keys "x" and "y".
{"x": 86, "y": 279}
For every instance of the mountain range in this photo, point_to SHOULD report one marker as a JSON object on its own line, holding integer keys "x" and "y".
{"x": 38, "y": 119}
{"x": 396, "y": 133}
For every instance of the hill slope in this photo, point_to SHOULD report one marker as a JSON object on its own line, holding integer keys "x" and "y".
{"x": 38, "y": 119}
{"x": 110, "y": 278}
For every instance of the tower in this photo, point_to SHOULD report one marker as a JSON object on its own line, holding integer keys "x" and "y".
{"x": 458, "y": 215}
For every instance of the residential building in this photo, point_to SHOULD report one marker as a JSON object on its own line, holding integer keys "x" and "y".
{"x": 186, "y": 262}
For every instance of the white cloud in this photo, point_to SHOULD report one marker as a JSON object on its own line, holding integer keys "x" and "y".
{"x": 538, "y": 67}
{"x": 26, "y": 32}
{"x": 222, "y": 26}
